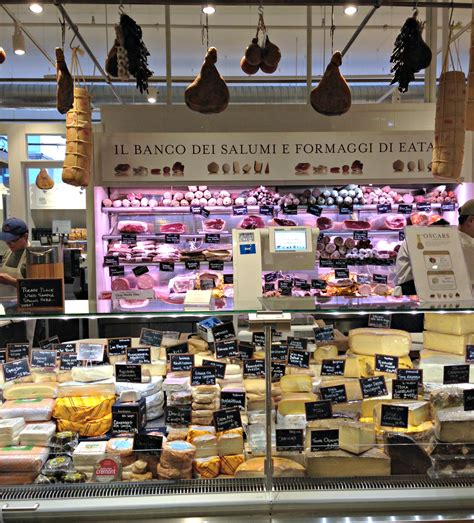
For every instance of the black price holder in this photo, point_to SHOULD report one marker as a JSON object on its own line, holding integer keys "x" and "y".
{"x": 394, "y": 416}
{"x": 41, "y": 358}
{"x": 203, "y": 376}
{"x": 326, "y": 439}
{"x": 325, "y": 333}
{"x": 148, "y": 444}
{"x": 289, "y": 440}
{"x": 14, "y": 370}
{"x": 233, "y": 399}
{"x": 49, "y": 343}
{"x": 468, "y": 399}
{"x": 254, "y": 369}
{"x": 67, "y": 347}
{"x": 118, "y": 346}
{"x": 181, "y": 362}
{"x": 151, "y": 337}
{"x": 90, "y": 352}
{"x": 298, "y": 358}
{"x": 179, "y": 348}
{"x": 223, "y": 331}
{"x": 404, "y": 390}
{"x": 141, "y": 269}
{"x": 333, "y": 367}
{"x": 219, "y": 367}
{"x": 385, "y": 363}
{"x": 278, "y": 371}
{"x": 373, "y": 387}
{"x": 139, "y": 355}
{"x": 297, "y": 343}
{"x": 334, "y": 393}
{"x": 246, "y": 350}
{"x": 68, "y": 361}
{"x": 227, "y": 419}
{"x": 410, "y": 375}
{"x": 318, "y": 410}
{"x": 453, "y": 374}
{"x": 129, "y": 373}
{"x": 18, "y": 351}
{"x": 279, "y": 352}
{"x": 227, "y": 349}
{"x": 383, "y": 321}
{"x": 178, "y": 415}
{"x": 258, "y": 338}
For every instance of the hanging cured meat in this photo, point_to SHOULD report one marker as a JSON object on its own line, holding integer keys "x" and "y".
{"x": 332, "y": 96}
{"x": 65, "y": 84}
{"x": 469, "y": 119}
{"x": 44, "y": 180}
{"x": 208, "y": 93}
{"x": 410, "y": 54}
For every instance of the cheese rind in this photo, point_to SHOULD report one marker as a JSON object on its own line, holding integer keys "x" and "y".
{"x": 206, "y": 445}
{"x": 369, "y": 342}
{"x": 296, "y": 383}
{"x": 449, "y": 343}
{"x": 454, "y": 425}
{"x": 229, "y": 444}
{"x": 325, "y": 352}
{"x": 282, "y": 467}
{"x": 450, "y": 323}
{"x": 339, "y": 463}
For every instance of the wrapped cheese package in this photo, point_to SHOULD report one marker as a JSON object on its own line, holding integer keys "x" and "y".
{"x": 229, "y": 464}
{"x": 176, "y": 460}
{"x": 83, "y": 408}
{"x": 76, "y": 389}
{"x": 38, "y": 434}
{"x": 20, "y": 391}
{"x": 10, "y": 430}
{"x": 207, "y": 468}
{"x": 91, "y": 428}
{"x": 24, "y": 458}
{"x": 28, "y": 409}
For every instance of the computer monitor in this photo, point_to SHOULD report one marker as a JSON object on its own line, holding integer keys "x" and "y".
{"x": 290, "y": 240}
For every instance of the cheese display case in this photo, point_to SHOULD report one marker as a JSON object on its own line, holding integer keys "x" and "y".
{"x": 247, "y": 411}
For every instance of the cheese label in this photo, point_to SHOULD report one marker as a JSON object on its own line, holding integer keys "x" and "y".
{"x": 455, "y": 374}
{"x": 18, "y": 351}
{"x": 346, "y": 209}
{"x": 384, "y": 208}
{"x": 254, "y": 368}
{"x": 341, "y": 273}
{"x": 322, "y": 440}
{"x": 246, "y": 350}
{"x": 290, "y": 209}
{"x": 404, "y": 390}
{"x": 380, "y": 278}
{"x": 181, "y": 362}
{"x": 394, "y": 416}
{"x": 150, "y": 337}
{"x": 373, "y": 387}
{"x": 128, "y": 373}
{"x": 318, "y": 410}
{"x": 66, "y": 347}
{"x": 90, "y": 352}
{"x": 297, "y": 343}
{"x": 468, "y": 399}
{"x": 129, "y": 238}
{"x": 13, "y": 370}
{"x": 279, "y": 352}
{"x": 289, "y": 440}
{"x": 180, "y": 348}
{"x": 298, "y": 358}
{"x": 385, "y": 363}
{"x": 278, "y": 371}
{"x": 333, "y": 367}
{"x": 383, "y": 321}
{"x": 42, "y": 358}
{"x": 203, "y": 376}
{"x": 469, "y": 353}
{"x": 227, "y": 349}
{"x": 258, "y": 338}
{"x": 325, "y": 333}
{"x": 232, "y": 399}
{"x": 111, "y": 260}
{"x": 227, "y": 419}
{"x": 228, "y": 279}
{"x": 178, "y": 415}
{"x": 118, "y": 346}
{"x": 334, "y": 394}
{"x": 139, "y": 355}
{"x": 218, "y": 366}
{"x": 68, "y": 361}
{"x": 223, "y": 331}
{"x": 49, "y": 343}
{"x": 410, "y": 375}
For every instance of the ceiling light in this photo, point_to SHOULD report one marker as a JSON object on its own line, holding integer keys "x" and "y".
{"x": 350, "y": 10}
{"x": 36, "y": 7}
{"x": 18, "y": 41}
{"x": 208, "y": 9}
{"x": 152, "y": 94}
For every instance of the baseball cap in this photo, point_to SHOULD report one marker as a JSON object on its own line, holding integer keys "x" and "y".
{"x": 467, "y": 209}
{"x": 12, "y": 229}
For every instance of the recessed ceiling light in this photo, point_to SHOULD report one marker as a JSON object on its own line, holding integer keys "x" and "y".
{"x": 152, "y": 94}
{"x": 18, "y": 41}
{"x": 208, "y": 9}
{"x": 350, "y": 10}
{"x": 36, "y": 7}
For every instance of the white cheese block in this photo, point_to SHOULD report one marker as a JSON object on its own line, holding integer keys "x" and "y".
{"x": 454, "y": 425}
{"x": 37, "y": 434}
{"x": 145, "y": 389}
{"x": 450, "y": 343}
{"x": 88, "y": 452}
{"x": 369, "y": 342}
{"x": 155, "y": 368}
{"x": 325, "y": 352}
{"x": 230, "y": 444}
{"x": 176, "y": 384}
{"x": 339, "y": 464}
{"x": 433, "y": 365}
{"x": 296, "y": 383}
{"x": 89, "y": 374}
{"x": 418, "y": 412}
{"x": 11, "y": 426}
{"x": 291, "y": 421}
{"x": 450, "y": 323}
{"x": 130, "y": 396}
{"x": 206, "y": 446}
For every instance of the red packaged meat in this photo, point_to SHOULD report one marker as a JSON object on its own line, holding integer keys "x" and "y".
{"x": 145, "y": 281}
{"x": 357, "y": 225}
{"x": 182, "y": 283}
{"x": 252, "y": 222}
{"x": 283, "y": 222}
{"x": 392, "y": 222}
{"x": 133, "y": 226}
{"x": 213, "y": 225}
{"x": 177, "y": 228}
{"x": 324, "y": 223}
{"x": 120, "y": 284}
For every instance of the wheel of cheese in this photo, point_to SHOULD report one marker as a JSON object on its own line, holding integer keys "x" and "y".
{"x": 282, "y": 467}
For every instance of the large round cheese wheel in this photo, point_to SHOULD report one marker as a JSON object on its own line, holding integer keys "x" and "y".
{"x": 282, "y": 467}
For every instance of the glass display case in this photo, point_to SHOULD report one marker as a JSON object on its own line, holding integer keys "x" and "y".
{"x": 339, "y": 409}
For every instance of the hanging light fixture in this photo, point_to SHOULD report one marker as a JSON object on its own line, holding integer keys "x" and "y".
{"x": 18, "y": 41}
{"x": 152, "y": 95}
{"x": 208, "y": 9}
{"x": 36, "y": 7}
{"x": 350, "y": 9}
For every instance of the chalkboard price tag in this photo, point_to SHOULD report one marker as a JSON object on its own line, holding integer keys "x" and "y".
{"x": 321, "y": 440}
{"x": 340, "y": 263}
{"x": 207, "y": 284}
{"x": 142, "y": 269}
{"x": 394, "y": 416}
{"x": 227, "y": 419}
{"x": 318, "y": 410}
{"x": 49, "y": 343}
{"x": 285, "y": 285}
{"x": 297, "y": 343}
{"x": 373, "y": 387}
{"x": 448, "y": 206}
{"x": 13, "y": 370}
{"x": 380, "y": 278}
{"x": 270, "y": 276}
{"x": 401, "y": 236}
{"x": 319, "y": 284}
{"x": 195, "y": 209}
{"x": 326, "y": 263}
{"x": 228, "y": 279}
{"x": 363, "y": 278}
{"x": 40, "y": 294}
{"x": 455, "y": 374}
{"x": 150, "y": 444}
{"x": 468, "y": 399}
{"x": 129, "y": 238}
{"x": 360, "y": 235}
{"x": 246, "y": 351}
{"x": 333, "y": 367}
{"x": 423, "y": 206}
{"x": 178, "y": 415}
{"x": 117, "y": 270}
{"x": 289, "y": 440}
{"x": 128, "y": 373}
{"x": 258, "y": 338}
{"x": 410, "y": 375}
{"x": 266, "y": 210}
{"x": 167, "y": 266}
{"x": 469, "y": 353}
{"x": 139, "y": 355}
{"x": 223, "y": 331}
{"x": 181, "y": 362}
{"x": 150, "y": 337}
{"x": 66, "y": 348}
{"x": 268, "y": 287}
{"x": 278, "y": 371}
{"x": 118, "y": 346}
{"x": 18, "y": 351}
{"x": 203, "y": 376}
{"x": 334, "y": 394}
{"x": 232, "y": 399}
{"x": 212, "y": 238}
{"x": 384, "y": 208}
{"x": 205, "y": 212}
{"x": 3, "y": 356}
{"x": 346, "y": 209}
{"x": 341, "y": 273}
{"x": 405, "y": 208}
{"x": 90, "y": 352}
{"x": 192, "y": 265}
{"x": 239, "y": 210}
{"x": 325, "y": 333}
{"x": 42, "y": 358}
{"x": 290, "y": 209}
{"x": 386, "y": 363}
{"x": 279, "y": 352}
{"x": 111, "y": 260}
{"x": 218, "y": 366}
{"x": 68, "y": 361}
{"x": 216, "y": 265}
{"x": 315, "y": 210}
{"x": 172, "y": 238}
{"x": 254, "y": 368}
{"x": 380, "y": 321}
{"x": 404, "y": 390}
{"x": 227, "y": 349}
{"x": 179, "y": 348}
{"x": 298, "y": 358}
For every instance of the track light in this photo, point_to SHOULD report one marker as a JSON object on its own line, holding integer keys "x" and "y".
{"x": 36, "y": 8}
{"x": 152, "y": 94}
{"x": 350, "y": 9}
{"x": 208, "y": 9}
{"x": 18, "y": 41}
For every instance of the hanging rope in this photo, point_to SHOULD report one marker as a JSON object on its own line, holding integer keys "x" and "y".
{"x": 205, "y": 32}
{"x": 62, "y": 23}
{"x": 333, "y": 29}
{"x": 76, "y": 68}
{"x": 261, "y": 22}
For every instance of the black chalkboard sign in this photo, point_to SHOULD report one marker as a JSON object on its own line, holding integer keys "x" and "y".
{"x": 321, "y": 440}
{"x": 13, "y": 370}
{"x": 373, "y": 387}
{"x": 3, "y": 355}
{"x": 279, "y": 352}
{"x": 172, "y": 238}
{"x": 318, "y": 410}
{"x": 68, "y": 361}
{"x": 298, "y": 358}
{"x": 150, "y": 444}
{"x": 90, "y": 352}
{"x": 118, "y": 346}
{"x": 139, "y": 355}
{"x": 216, "y": 265}
{"x": 468, "y": 399}
{"x": 469, "y": 353}
{"x": 218, "y": 366}
{"x": 129, "y": 238}
{"x": 192, "y": 265}
{"x": 246, "y": 350}
{"x": 227, "y": 349}
{"x": 405, "y": 208}
{"x": 380, "y": 320}
{"x": 385, "y": 363}
{"x": 195, "y": 209}
{"x": 254, "y": 368}
{"x": 178, "y": 415}
{"x": 266, "y": 210}
{"x": 117, "y": 270}
{"x": 38, "y": 294}
{"x": 340, "y": 263}
{"x": 297, "y": 343}
{"x": 404, "y": 390}
{"x": 318, "y": 284}
{"x": 239, "y": 210}
{"x": 205, "y": 212}
{"x": 410, "y": 375}
{"x": 333, "y": 367}
{"x": 278, "y": 371}
{"x": 228, "y": 279}
{"x": 180, "y": 348}
{"x": 290, "y": 209}
{"x": 141, "y": 269}
{"x": 49, "y": 343}
{"x": 227, "y": 419}
{"x": 223, "y": 331}
{"x": 167, "y": 266}
{"x": 212, "y": 238}
{"x": 423, "y": 206}
{"x": 325, "y": 333}
{"x": 129, "y": 373}
{"x": 380, "y": 278}
{"x": 18, "y": 351}
{"x": 455, "y": 374}
{"x": 181, "y": 362}
{"x": 111, "y": 260}
{"x": 289, "y": 440}
{"x": 394, "y": 416}
{"x": 232, "y": 399}
{"x": 258, "y": 338}
{"x": 67, "y": 347}
{"x": 346, "y": 209}
{"x": 203, "y": 376}
{"x": 151, "y": 337}
{"x": 334, "y": 394}
{"x": 315, "y": 210}
{"x": 384, "y": 208}
{"x": 42, "y": 358}
{"x": 360, "y": 235}
{"x": 448, "y": 206}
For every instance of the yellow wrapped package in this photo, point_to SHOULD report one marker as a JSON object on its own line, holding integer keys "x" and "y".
{"x": 207, "y": 468}
{"x": 83, "y": 409}
{"x": 229, "y": 464}
{"x": 91, "y": 428}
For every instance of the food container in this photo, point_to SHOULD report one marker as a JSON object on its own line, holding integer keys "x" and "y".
{"x": 44, "y": 262}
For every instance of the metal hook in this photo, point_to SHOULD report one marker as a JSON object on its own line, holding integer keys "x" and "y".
{"x": 70, "y": 43}
{"x": 260, "y": 8}
{"x": 62, "y": 23}
{"x": 121, "y": 9}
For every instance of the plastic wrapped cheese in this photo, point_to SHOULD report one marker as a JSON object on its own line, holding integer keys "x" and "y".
{"x": 91, "y": 374}
{"x": 145, "y": 389}
{"x": 75, "y": 389}
{"x": 91, "y": 428}
{"x": 176, "y": 460}
{"x": 229, "y": 464}
{"x": 88, "y": 452}
{"x": 28, "y": 409}
{"x": 282, "y": 467}
{"x": 21, "y": 391}
{"x": 38, "y": 434}
{"x": 207, "y": 467}
{"x": 390, "y": 342}
{"x": 10, "y": 430}
{"x": 83, "y": 409}
{"x": 24, "y": 458}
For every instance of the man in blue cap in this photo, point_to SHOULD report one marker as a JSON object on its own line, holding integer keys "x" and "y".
{"x": 15, "y": 234}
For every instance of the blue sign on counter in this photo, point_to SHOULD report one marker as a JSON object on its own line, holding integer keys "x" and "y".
{"x": 248, "y": 249}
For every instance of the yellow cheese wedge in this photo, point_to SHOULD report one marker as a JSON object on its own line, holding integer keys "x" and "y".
{"x": 296, "y": 383}
{"x": 325, "y": 352}
{"x": 390, "y": 342}
{"x": 352, "y": 385}
{"x": 418, "y": 412}
{"x": 367, "y": 365}
{"x": 450, "y": 343}
{"x": 293, "y": 403}
{"x": 450, "y": 323}
{"x": 339, "y": 463}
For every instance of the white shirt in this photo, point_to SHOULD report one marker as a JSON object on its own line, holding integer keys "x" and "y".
{"x": 403, "y": 265}
{"x": 467, "y": 244}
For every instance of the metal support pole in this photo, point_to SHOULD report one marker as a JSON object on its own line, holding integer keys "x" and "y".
{"x": 268, "y": 407}
{"x": 29, "y": 36}
{"x": 361, "y": 26}
{"x": 431, "y": 40}
{"x": 86, "y": 47}
{"x": 309, "y": 52}
{"x": 169, "y": 94}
